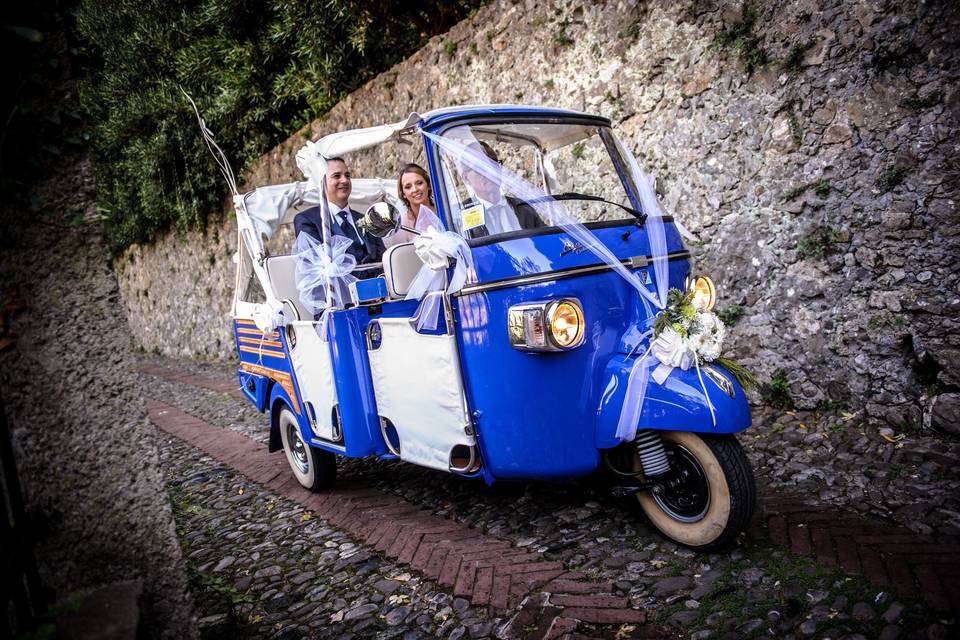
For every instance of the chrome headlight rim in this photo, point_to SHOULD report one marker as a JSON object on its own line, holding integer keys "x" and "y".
{"x": 547, "y": 311}
{"x": 691, "y": 288}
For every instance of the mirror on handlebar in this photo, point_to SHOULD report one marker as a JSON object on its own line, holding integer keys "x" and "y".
{"x": 381, "y": 218}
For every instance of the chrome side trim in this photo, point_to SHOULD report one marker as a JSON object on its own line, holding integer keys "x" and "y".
{"x": 631, "y": 263}
{"x": 720, "y": 380}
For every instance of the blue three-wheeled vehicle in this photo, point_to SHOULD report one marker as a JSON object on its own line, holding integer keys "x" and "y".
{"x": 507, "y": 347}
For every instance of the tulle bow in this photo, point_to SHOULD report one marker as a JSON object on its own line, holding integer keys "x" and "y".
{"x": 435, "y": 249}
{"x": 323, "y": 279}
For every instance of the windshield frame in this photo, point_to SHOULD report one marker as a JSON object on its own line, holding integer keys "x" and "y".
{"x": 604, "y": 130}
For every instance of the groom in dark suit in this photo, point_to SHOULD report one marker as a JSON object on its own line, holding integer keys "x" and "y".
{"x": 365, "y": 247}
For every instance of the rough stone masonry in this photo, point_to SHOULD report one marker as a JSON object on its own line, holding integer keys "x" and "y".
{"x": 809, "y": 146}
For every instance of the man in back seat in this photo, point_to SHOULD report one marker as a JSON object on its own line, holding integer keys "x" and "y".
{"x": 365, "y": 247}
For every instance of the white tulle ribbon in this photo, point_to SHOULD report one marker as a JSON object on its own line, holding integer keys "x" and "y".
{"x": 436, "y": 249}
{"x": 465, "y": 153}
{"x": 323, "y": 280}
{"x": 635, "y": 393}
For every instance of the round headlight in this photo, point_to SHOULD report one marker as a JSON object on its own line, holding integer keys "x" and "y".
{"x": 566, "y": 324}
{"x": 704, "y": 293}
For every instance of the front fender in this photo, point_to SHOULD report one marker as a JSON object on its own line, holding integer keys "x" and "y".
{"x": 677, "y": 405}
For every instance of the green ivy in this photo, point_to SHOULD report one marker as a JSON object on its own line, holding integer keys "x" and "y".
{"x": 740, "y": 37}
{"x": 731, "y": 315}
{"x": 777, "y": 393}
{"x": 259, "y": 71}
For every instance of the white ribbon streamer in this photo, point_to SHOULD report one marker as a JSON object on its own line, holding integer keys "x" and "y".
{"x": 467, "y": 154}
{"x": 435, "y": 249}
{"x": 635, "y": 393}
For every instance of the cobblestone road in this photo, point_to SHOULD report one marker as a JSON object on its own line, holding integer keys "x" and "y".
{"x": 789, "y": 579}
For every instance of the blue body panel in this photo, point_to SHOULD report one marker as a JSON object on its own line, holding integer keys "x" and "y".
{"x": 351, "y": 375}
{"x": 677, "y": 405}
{"x": 263, "y": 361}
{"x": 370, "y": 289}
{"x": 550, "y": 251}
{"x": 537, "y": 412}
{"x": 255, "y": 387}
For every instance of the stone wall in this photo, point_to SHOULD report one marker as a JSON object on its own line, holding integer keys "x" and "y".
{"x": 86, "y": 455}
{"x": 808, "y": 145}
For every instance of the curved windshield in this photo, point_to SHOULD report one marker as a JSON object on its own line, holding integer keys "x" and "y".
{"x": 576, "y": 163}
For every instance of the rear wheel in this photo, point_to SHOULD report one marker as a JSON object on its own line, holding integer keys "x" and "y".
{"x": 708, "y": 497}
{"x": 314, "y": 468}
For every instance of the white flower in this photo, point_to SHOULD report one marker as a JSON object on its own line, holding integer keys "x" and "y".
{"x": 706, "y": 335}
{"x": 710, "y": 351}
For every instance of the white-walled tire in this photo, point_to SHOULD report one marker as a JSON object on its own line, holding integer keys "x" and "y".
{"x": 314, "y": 468}
{"x": 712, "y": 500}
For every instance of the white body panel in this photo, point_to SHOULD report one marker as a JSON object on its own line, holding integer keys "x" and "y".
{"x": 313, "y": 369}
{"x": 417, "y": 383}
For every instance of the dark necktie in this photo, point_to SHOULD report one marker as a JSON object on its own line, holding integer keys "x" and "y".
{"x": 348, "y": 229}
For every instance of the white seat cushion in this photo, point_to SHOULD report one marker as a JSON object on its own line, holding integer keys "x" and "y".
{"x": 400, "y": 266}
{"x": 282, "y": 272}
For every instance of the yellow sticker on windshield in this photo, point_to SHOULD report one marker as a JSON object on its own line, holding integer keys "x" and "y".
{"x": 472, "y": 217}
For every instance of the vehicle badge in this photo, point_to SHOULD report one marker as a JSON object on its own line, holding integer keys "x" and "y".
{"x": 570, "y": 247}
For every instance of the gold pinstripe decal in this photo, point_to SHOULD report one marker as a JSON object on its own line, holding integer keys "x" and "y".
{"x": 266, "y": 343}
{"x": 264, "y": 352}
{"x": 280, "y": 377}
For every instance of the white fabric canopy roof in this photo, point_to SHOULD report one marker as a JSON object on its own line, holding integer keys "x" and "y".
{"x": 312, "y": 157}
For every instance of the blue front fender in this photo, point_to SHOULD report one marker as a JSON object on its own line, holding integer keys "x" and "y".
{"x": 677, "y": 405}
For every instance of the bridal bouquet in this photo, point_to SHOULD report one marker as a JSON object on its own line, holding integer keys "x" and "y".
{"x": 686, "y": 335}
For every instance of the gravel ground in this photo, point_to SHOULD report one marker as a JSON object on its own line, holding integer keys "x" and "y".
{"x": 263, "y": 567}
{"x": 829, "y": 457}
{"x": 833, "y": 458}
{"x": 756, "y": 589}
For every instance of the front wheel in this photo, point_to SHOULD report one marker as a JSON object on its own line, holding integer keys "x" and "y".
{"x": 314, "y": 468}
{"x": 708, "y": 497}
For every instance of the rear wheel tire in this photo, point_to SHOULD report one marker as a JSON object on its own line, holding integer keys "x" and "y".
{"x": 713, "y": 499}
{"x": 315, "y": 469}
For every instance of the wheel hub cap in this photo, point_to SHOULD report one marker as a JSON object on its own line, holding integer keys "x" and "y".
{"x": 685, "y": 497}
{"x": 298, "y": 449}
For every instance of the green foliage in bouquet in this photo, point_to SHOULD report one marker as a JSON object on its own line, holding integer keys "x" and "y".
{"x": 740, "y": 373}
{"x": 679, "y": 313}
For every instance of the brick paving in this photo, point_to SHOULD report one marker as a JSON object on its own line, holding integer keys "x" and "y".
{"x": 489, "y": 572}
{"x": 204, "y": 382}
{"x": 918, "y": 566}
{"x": 483, "y": 569}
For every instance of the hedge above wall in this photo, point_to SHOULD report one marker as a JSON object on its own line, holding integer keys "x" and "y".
{"x": 259, "y": 70}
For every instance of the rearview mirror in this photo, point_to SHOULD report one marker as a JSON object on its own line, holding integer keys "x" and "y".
{"x": 380, "y": 219}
